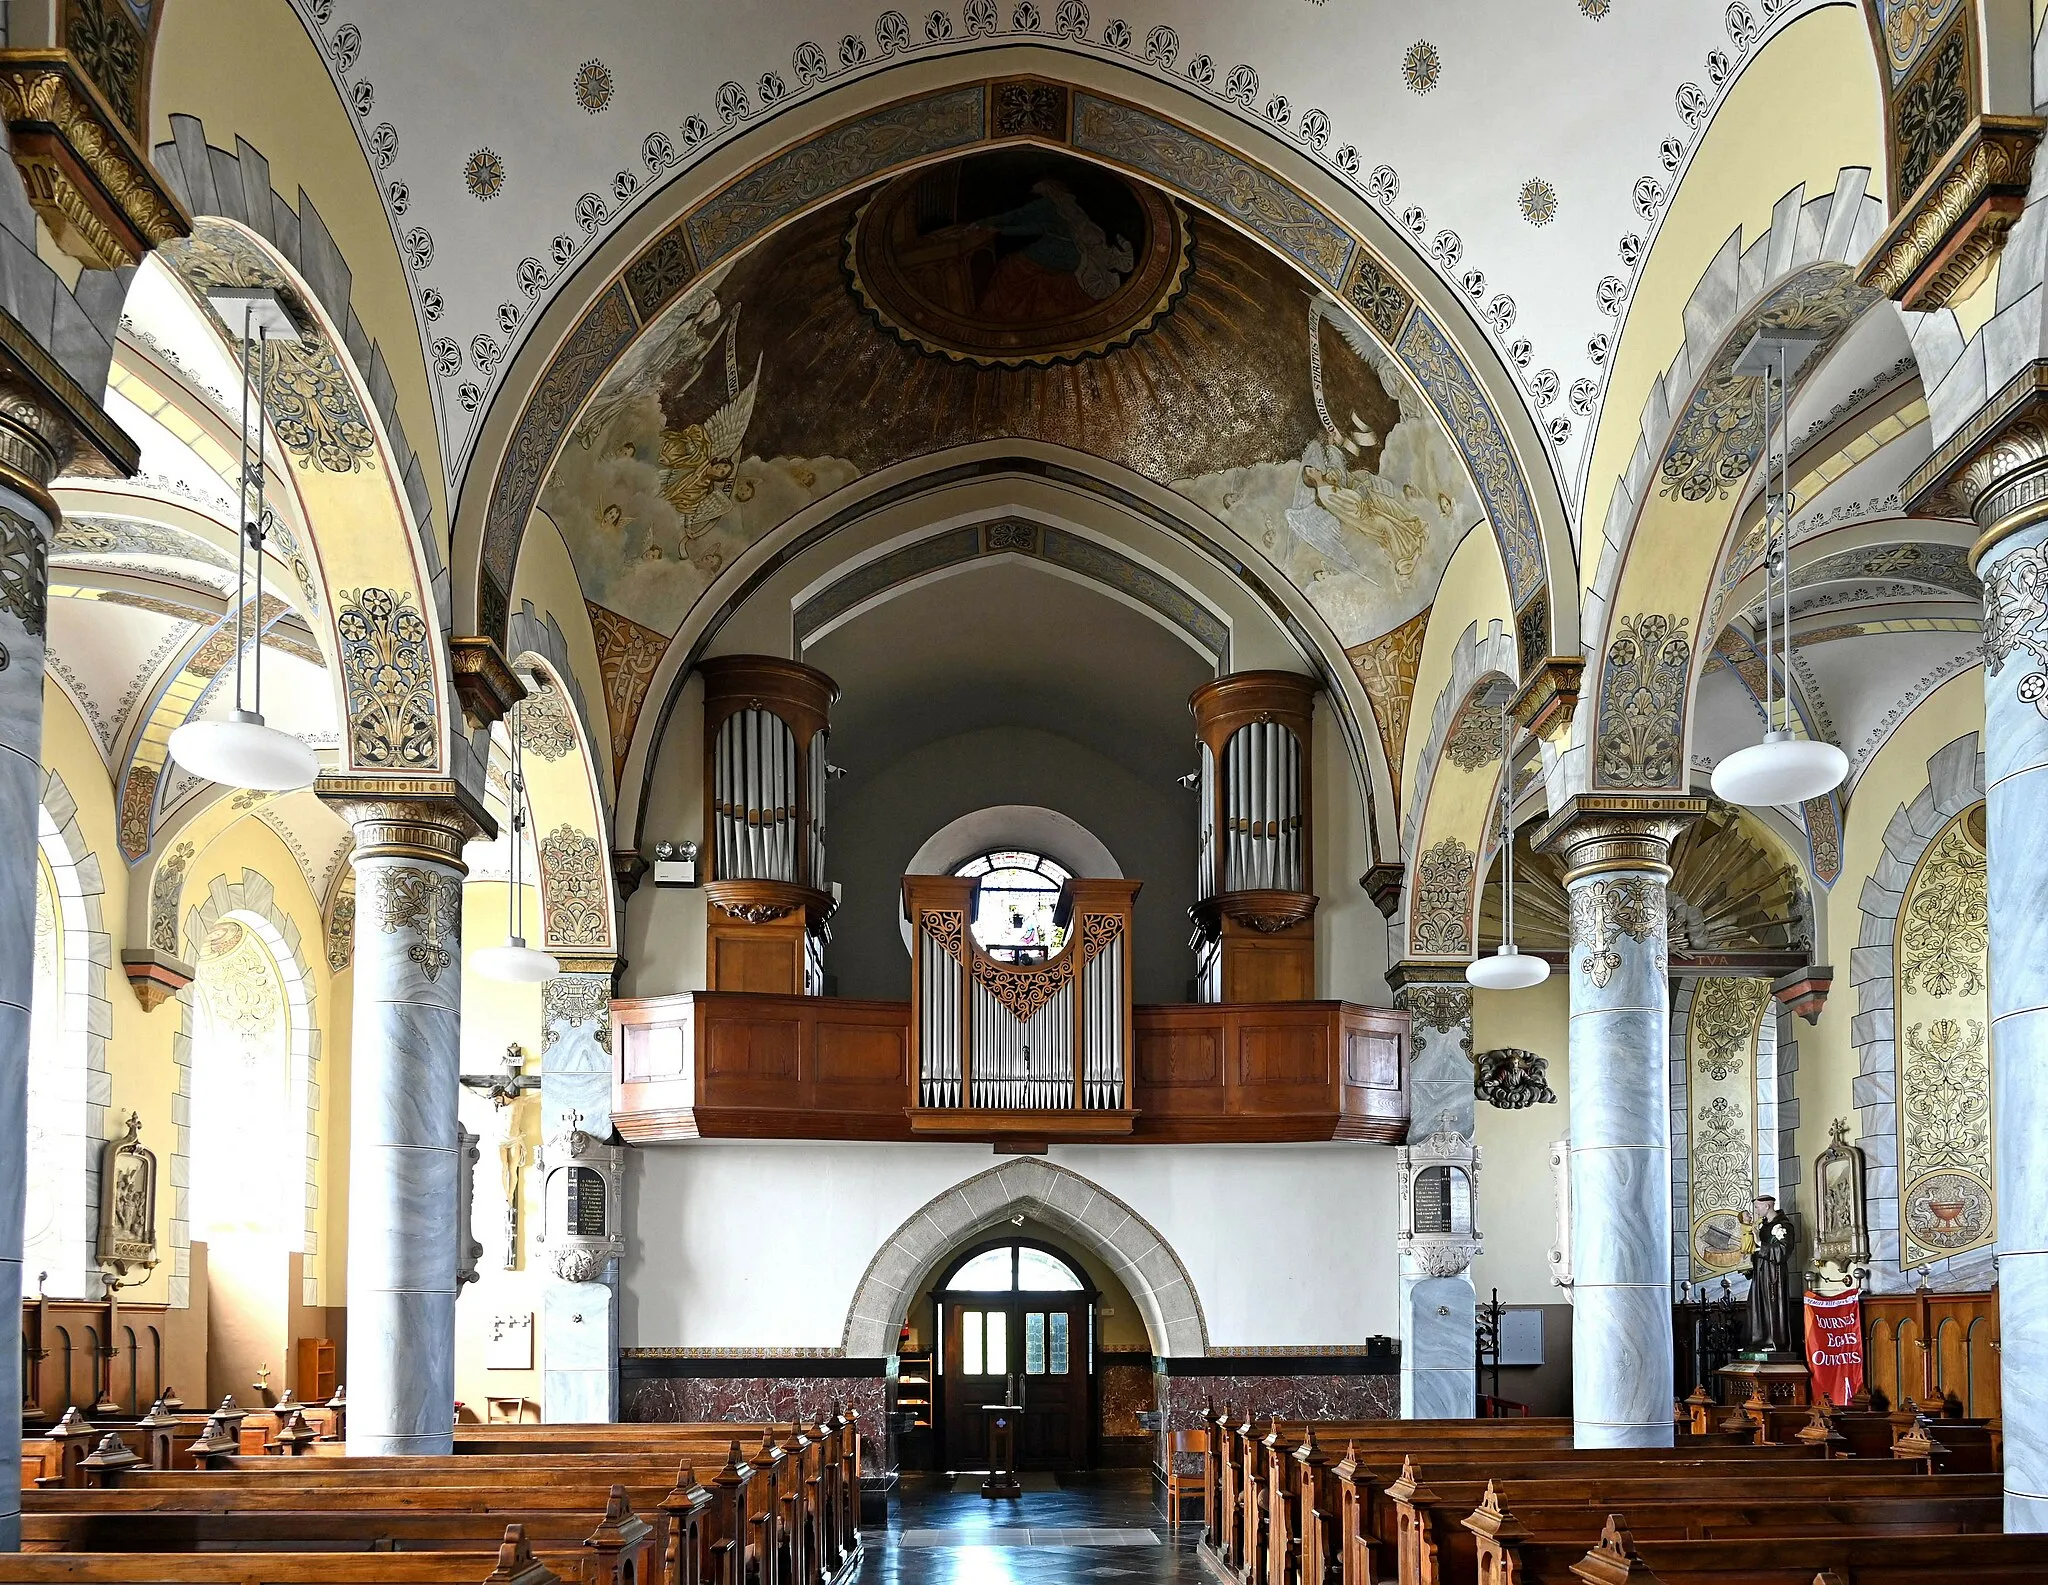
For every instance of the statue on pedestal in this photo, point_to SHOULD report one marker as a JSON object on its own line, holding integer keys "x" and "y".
{"x": 1773, "y": 1324}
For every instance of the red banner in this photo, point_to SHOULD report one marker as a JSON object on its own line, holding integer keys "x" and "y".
{"x": 1834, "y": 1345}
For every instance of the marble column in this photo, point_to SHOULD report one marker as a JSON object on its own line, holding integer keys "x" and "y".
{"x": 580, "y": 1331}
{"x": 27, "y": 522}
{"x": 1616, "y": 849}
{"x": 405, "y": 1046}
{"x": 2015, "y": 573}
{"x": 1437, "y": 1316}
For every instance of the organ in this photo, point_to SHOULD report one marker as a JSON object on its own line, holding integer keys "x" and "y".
{"x": 1254, "y": 911}
{"x": 1000, "y": 1047}
{"x": 766, "y": 722}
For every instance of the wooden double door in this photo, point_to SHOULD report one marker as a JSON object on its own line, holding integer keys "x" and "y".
{"x": 1035, "y": 1351}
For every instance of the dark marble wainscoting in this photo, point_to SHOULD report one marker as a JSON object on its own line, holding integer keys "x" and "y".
{"x": 1125, "y": 1389}
{"x": 689, "y": 1389}
{"x": 1288, "y": 1386}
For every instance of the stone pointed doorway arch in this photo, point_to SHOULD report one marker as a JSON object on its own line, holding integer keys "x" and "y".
{"x": 1089, "y": 1214}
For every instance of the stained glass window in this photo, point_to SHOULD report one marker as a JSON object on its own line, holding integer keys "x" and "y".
{"x": 1034, "y": 1342}
{"x": 1059, "y": 1342}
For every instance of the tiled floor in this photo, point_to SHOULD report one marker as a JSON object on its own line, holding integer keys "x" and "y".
{"x": 939, "y": 1537}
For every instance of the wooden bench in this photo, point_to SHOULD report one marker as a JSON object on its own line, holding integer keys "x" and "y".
{"x": 514, "y": 1562}
{"x": 1810, "y": 1560}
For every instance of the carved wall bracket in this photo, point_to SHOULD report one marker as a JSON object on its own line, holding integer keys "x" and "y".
{"x": 1545, "y": 704}
{"x": 1950, "y": 229}
{"x": 484, "y": 680}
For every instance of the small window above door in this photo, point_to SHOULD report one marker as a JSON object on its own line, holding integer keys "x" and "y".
{"x": 1015, "y": 1268}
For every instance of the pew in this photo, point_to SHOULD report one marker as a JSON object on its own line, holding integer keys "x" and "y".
{"x": 514, "y": 1562}
{"x": 1802, "y": 1560}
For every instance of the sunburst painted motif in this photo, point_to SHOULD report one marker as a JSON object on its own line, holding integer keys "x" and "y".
{"x": 1539, "y": 201}
{"x": 1422, "y": 66}
{"x": 593, "y": 85}
{"x": 1596, "y": 9}
{"x": 483, "y": 173}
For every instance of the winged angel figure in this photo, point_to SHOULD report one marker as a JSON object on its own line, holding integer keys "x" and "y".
{"x": 700, "y": 461}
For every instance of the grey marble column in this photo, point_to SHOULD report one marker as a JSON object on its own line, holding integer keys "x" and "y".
{"x": 1438, "y": 1364}
{"x": 2015, "y": 574}
{"x": 25, "y": 532}
{"x": 580, "y": 1331}
{"x": 1615, "y": 849}
{"x": 404, "y": 1052}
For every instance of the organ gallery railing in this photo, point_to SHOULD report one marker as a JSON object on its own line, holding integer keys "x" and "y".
{"x": 765, "y": 730}
{"x": 1034, "y": 1049}
{"x": 1255, "y": 906}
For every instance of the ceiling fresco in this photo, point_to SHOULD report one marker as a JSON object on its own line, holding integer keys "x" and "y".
{"x": 1017, "y": 294}
{"x": 501, "y": 181}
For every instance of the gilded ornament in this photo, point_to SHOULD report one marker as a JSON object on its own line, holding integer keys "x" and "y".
{"x": 108, "y": 46}
{"x": 593, "y": 85}
{"x": 1939, "y": 244}
{"x": 1930, "y": 110}
{"x": 1538, "y": 201}
{"x": 1944, "y": 938}
{"x": 1642, "y": 697}
{"x": 387, "y": 668}
{"x": 1474, "y": 741}
{"x": 569, "y": 1001}
{"x": 1726, "y": 1015}
{"x": 1442, "y": 1008}
{"x": 429, "y": 904}
{"x": 572, "y": 889}
{"x": 483, "y": 173}
{"x": 341, "y": 928}
{"x": 1422, "y": 67}
{"x": 1442, "y": 923}
{"x": 1603, "y": 910}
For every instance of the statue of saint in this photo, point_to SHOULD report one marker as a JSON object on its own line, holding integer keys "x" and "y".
{"x": 1773, "y": 1321}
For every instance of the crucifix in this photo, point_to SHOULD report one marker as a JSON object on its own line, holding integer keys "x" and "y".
{"x": 502, "y": 1089}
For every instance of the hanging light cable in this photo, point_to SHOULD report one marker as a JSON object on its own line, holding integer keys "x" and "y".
{"x": 1785, "y": 769}
{"x": 242, "y": 751}
{"x": 1510, "y": 968}
{"x": 515, "y": 961}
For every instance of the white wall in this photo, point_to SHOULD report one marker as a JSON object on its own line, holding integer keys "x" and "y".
{"x": 757, "y": 1245}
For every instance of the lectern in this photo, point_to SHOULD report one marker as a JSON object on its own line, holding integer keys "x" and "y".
{"x": 1002, "y": 1450}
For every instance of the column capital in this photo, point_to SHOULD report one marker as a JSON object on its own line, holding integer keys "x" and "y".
{"x": 1994, "y": 468}
{"x": 421, "y": 817}
{"x": 1602, "y": 833}
{"x": 50, "y": 424}
{"x": 1434, "y": 995}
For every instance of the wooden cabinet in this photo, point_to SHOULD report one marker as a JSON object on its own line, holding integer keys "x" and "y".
{"x": 313, "y": 1369}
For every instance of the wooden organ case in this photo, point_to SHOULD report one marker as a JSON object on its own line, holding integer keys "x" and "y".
{"x": 766, "y": 722}
{"x": 1254, "y": 911}
{"x": 1039, "y": 1049}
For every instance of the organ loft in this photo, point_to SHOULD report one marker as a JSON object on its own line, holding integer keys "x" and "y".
{"x": 1015, "y": 791}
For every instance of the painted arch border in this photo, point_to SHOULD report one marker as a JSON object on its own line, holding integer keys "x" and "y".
{"x": 652, "y": 260}
{"x": 1086, "y": 1212}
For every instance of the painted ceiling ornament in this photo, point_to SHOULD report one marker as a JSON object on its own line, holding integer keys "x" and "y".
{"x": 1512, "y": 1079}
{"x": 1642, "y": 691}
{"x": 427, "y": 903}
{"x": 1595, "y": 9}
{"x": 1018, "y": 258}
{"x": 1421, "y": 67}
{"x": 627, "y": 656}
{"x": 341, "y": 928}
{"x": 1723, "y": 1166}
{"x": 1442, "y": 925}
{"x": 483, "y": 173}
{"x": 314, "y": 411}
{"x": 1387, "y": 667}
{"x": 1726, "y": 1014}
{"x": 1946, "y": 929}
{"x": 1538, "y": 201}
{"x": 165, "y": 889}
{"x": 593, "y": 85}
{"x": 24, "y": 578}
{"x": 1603, "y": 911}
{"x": 1474, "y": 741}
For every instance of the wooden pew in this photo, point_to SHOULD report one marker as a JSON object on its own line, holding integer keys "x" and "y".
{"x": 1540, "y": 1525}
{"x": 1803, "y": 1560}
{"x": 514, "y": 1562}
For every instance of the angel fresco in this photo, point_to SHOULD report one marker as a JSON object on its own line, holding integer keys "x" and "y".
{"x": 700, "y": 460}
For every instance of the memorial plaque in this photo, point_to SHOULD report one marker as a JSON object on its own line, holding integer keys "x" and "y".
{"x": 1443, "y": 1202}
{"x": 586, "y": 1208}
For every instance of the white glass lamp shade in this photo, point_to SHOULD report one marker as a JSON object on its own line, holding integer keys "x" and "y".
{"x": 514, "y": 962}
{"x": 1779, "y": 772}
{"x": 1509, "y": 969}
{"x": 242, "y": 752}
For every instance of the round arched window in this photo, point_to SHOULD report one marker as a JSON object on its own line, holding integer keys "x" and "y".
{"x": 1020, "y": 891}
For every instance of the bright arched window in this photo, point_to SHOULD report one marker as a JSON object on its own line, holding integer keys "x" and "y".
{"x": 1020, "y": 892}
{"x": 47, "y": 1069}
{"x": 247, "y": 1147}
{"x": 1015, "y": 1268}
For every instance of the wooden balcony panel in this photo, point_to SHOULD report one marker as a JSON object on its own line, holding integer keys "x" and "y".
{"x": 731, "y": 1065}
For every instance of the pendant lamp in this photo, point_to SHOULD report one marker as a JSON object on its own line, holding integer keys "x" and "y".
{"x": 243, "y": 751}
{"x": 515, "y": 962}
{"x": 1510, "y": 968}
{"x": 1784, "y": 769}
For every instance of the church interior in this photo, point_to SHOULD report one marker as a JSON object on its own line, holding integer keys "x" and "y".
{"x": 1018, "y": 792}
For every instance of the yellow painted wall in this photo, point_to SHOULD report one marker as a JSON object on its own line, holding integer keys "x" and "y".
{"x": 1827, "y": 1055}
{"x": 547, "y": 577}
{"x": 1516, "y": 1213}
{"x": 247, "y": 68}
{"x": 493, "y": 1016}
{"x": 1474, "y": 589}
{"x": 1805, "y": 108}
